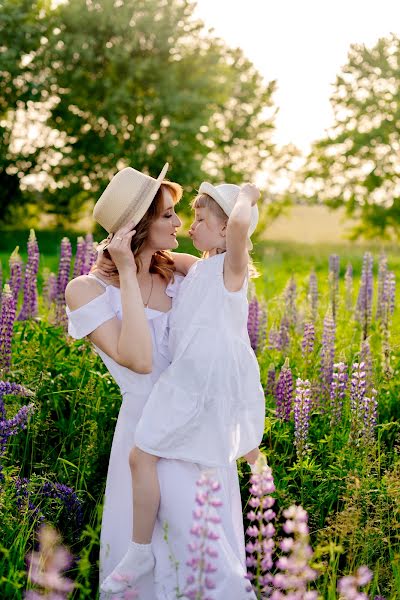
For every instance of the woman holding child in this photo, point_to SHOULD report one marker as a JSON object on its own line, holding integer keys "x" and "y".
{"x": 129, "y": 320}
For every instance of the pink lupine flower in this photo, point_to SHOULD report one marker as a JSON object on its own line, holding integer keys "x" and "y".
{"x": 348, "y": 586}
{"x": 46, "y": 567}
{"x": 206, "y": 518}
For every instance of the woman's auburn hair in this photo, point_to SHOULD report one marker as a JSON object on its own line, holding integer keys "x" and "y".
{"x": 206, "y": 201}
{"x": 162, "y": 262}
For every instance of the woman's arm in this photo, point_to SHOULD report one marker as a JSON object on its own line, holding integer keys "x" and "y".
{"x": 237, "y": 257}
{"x": 128, "y": 341}
{"x": 183, "y": 262}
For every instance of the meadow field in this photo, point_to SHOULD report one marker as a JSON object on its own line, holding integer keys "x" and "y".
{"x": 324, "y": 324}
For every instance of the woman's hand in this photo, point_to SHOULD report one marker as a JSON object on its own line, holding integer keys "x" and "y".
{"x": 104, "y": 266}
{"x": 120, "y": 250}
{"x": 251, "y": 191}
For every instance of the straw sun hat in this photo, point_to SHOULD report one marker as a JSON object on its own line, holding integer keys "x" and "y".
{"x": 126, "y": 198}
{"x": 225, "y": 195}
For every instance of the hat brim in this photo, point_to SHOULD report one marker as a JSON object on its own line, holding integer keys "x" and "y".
{"x": 150, "y": 195}
{"x": 210, "y": 190}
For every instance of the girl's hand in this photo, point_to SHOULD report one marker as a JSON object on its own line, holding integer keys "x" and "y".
{"x": 251, "y": 191}
{"x": 119, "y": 248}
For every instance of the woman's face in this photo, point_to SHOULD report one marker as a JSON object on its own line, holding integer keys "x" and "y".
{"x": 162, "y": 231}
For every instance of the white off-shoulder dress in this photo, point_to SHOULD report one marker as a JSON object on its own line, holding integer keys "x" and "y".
{"x": 177, "y": 478}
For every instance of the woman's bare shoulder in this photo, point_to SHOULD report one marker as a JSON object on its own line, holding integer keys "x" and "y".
{"x": 183, "y": 262}
{"x": 82, "y": 290}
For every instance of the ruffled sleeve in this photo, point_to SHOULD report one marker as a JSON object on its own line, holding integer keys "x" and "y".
{"x": 172, "y": 288}
{"x": 88, "y": 317}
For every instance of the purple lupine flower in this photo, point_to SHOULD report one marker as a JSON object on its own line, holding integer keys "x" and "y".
{"x": 49, "y": 292}
{"x": 270, "y": 384}
{"x": 386, "y": 310}
{"x": 7, "y": 318}
{"x": 10, "y": 427}
{"x": 273, "y": 339}
{"x": 307, "y": 344}
{"x": 204, "y": 534}
{"x": 46, "y": 567}
{"x": 23, "y": 501}
{"x": 15, "y": 280}
{"x": 284, "y": 392}
{"x": 67, "y": 496}
{"x": 382, "y": 273}
{"x": 253, "y": 322}
{"x": 62, "y": 280}
{"x": 256, "y": 324}
{"x": 7, "y": 388}
{"x": 283, "y": 334}
{"x": 364, "y": 301}
{"x": 90, "y": 254}
{"x": 338, "y": 391}
{"x": 358, "y": 386}
{"x": 349, "y": 586}
{"x": 295, "y": 574}
{"x": 366, "y": 358}
{"x": 30, "y": 304}
{"x": 302, "y": 407}
{"x": 290, "y": 294}
{"x": 334, "y": 282}
{"x": 369, "y": 418}
{"x": 79, "y": 257}
{"x": 327, "y": 355}
{"x": 259, "y": 551}
{"x": 1, "y": 276}
{"x": 391, "y": 286}
{"x": 313, "y": 294}
{"x": 348, "y": 283}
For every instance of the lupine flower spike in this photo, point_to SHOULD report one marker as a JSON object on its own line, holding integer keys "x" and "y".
{"x": 261, "y": 529}
{"x": 204, "y": 533}
{"x": 46, "y": 567}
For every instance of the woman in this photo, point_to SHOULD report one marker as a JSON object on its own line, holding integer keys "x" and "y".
{"x": 128, "y": 326}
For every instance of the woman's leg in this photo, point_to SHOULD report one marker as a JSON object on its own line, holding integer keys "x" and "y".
{"x": 139, "y": 558}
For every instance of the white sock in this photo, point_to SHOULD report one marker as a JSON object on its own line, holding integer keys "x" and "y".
{"x": 138, "y": 561}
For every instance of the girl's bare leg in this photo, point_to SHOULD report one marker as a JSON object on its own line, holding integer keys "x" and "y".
{"x": 139, "y": 558}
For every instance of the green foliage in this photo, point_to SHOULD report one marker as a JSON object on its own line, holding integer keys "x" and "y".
{"x": 133, "y": 83}
{"x": 23, "y": 28}
{"x": 357, "y": 164}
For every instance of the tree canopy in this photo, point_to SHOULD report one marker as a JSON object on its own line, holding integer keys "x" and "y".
{"x": 127, "y": 82}
{"x": 357, "y": 165}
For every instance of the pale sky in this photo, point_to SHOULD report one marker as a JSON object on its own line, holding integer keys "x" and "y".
{"x": 302, "y": 44}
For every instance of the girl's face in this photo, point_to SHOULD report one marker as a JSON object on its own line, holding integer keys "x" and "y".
{"x": 207, "y": 231}
{"x": 162, "y": 231}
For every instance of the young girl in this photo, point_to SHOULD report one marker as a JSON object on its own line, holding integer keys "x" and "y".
{"x": 209, "y": 403}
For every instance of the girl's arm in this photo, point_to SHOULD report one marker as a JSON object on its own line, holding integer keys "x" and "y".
{"x": 183, "y": 262}
{"x": 128, "y": 341}
{"x": 237, "y": 257}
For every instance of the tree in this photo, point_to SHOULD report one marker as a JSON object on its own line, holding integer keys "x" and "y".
{"x": 358, "y": 164}
{"x": 140, "y": 82}
{"x": 24, "y": 25}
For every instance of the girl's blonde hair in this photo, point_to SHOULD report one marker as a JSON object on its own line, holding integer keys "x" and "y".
{"x": 161, "y": 262}
{"x": 206, "y": 201}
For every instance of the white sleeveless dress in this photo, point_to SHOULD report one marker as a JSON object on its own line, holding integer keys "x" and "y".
{"x": 208, "y": 406}
{"x": 177, "y": 478}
